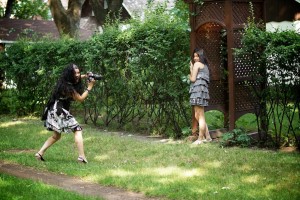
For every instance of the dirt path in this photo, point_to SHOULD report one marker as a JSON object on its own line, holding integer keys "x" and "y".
{"x": 71, "y": 183}
{"x": 76, "y": 184}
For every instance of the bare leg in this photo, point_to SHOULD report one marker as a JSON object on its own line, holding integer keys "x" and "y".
{"x": 50, "y": 141}
{"x": 79, "y": 143}
{"x": 199, "y": 115}
{"x": 207, "y": 135}
{"x": 202, "y": 123}
{"x": 194, "y": 122}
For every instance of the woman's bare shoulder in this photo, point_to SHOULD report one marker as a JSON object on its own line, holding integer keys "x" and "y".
{"x": 199, "y": 65}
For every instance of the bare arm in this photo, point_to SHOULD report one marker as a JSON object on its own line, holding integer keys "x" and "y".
{"x": 81, "y": 98}
{"x": 194, "y": 71}
{"x": 191, "y": 67}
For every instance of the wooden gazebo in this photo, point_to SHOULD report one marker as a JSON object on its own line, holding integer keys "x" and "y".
{"x": 216, "y": 26}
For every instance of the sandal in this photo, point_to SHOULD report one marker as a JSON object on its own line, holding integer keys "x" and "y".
{"x": 39, "y": 157}
{"x": 82, "y": 160}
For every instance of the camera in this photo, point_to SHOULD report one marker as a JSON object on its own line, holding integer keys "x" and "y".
{"x": 94, "y": 76}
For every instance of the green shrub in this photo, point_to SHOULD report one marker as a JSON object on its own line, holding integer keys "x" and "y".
{"x": 144, "y": 69}
{"x": 236, "y": 137}
{"x": 274, "y": 57}
{"x": 8, "y": 102}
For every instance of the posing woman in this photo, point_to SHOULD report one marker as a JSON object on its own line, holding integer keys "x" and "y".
{"x": 199, "y": 95}
{"x": 57, "y": 116}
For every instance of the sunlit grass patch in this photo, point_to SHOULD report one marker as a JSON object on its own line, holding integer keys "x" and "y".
{"x": 11, "y": 123}
{"x": 176, "y": 170}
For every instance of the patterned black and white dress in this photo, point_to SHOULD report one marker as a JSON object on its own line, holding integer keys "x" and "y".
{"x": 59, "y": 118}
{"x": 199, "y": 94}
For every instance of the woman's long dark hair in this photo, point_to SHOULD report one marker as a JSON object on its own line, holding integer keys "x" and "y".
{"x": 201, "y": 55}
{"x": 66, "y": 85}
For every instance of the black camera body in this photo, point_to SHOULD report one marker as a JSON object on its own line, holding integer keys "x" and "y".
{"x": 94, "y": 76}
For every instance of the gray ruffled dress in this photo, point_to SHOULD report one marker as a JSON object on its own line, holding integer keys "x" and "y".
{"x": 199, "y": 94}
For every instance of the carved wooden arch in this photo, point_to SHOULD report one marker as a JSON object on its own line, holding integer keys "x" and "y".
{"x": 209, "y": 39}
{"x": 210, "y": 21}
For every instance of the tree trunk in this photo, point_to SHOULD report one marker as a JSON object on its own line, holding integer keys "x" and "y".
{"x": 2, "y": 75}
{"x": 67, "y": 21}
{"x": 100, "y": 11}
{"x": 9, "y": 6}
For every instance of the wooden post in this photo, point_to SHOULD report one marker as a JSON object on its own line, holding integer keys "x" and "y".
{"x": 192, "y": 8}
{"x": 192, "y": 25}
{"x": 230, "y": 46}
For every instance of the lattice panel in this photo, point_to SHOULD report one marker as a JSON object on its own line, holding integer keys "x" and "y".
{"x": 244, "y": 101}
{"x": 241, "y": 11}
{"x": 213, "y": 11}
{"x": 237, "y": 36}
{"x": 209, "y": 38}
{"x": 218, "y": 95}
{"x": 209, "y": 25}
{"x": 243, "y": 67}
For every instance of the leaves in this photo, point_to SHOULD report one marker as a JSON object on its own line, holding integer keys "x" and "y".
{"x": 27, "y": 9}
{"x": 144, "y": 67}
{"x": 275, "y": 60}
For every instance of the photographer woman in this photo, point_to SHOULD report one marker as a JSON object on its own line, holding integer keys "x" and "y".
{"x": 57, "y": 116}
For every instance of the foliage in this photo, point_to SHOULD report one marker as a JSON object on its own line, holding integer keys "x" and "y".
{"x": 27, "y": 9}
{"x": 186, "y": 131}
{"x": 236, "y": 137}
{"x": 199, "y": 2}
{"x": 7, "y": 102}
{"x": 34, "y": 68}
{"x": 143, "y": 58}
{"x": 148, "y": 58}
{"x": 181, "y": 11}
{"x": 2, "y": 11}
{"x": 277, "y": 74}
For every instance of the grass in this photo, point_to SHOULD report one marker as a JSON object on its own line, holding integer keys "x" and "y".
{"x": 16, "y": 188}
{"x": 215, "y": 120}
{"x": 173, "y": 170}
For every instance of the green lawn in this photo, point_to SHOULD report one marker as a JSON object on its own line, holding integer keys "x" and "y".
{"x": 17, "y": 188}
{"x": 173, "y": 170}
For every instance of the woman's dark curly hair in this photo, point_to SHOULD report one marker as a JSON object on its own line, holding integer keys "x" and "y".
{"x": 66, "y": 85}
